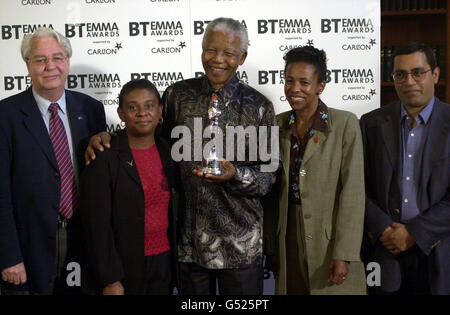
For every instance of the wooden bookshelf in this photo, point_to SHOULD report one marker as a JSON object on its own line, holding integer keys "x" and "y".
{"x": 413, "y": 12}
{"x": 391, "y": 84}
{"x": 431, "y": 27}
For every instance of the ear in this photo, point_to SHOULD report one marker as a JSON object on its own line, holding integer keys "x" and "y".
{"x": 120, "y": 113}
{"x": 435, "y": 74}
{"x": 242, "y": 58}
{"x": 28, "y": 63}
{"x": 321, "y": 87}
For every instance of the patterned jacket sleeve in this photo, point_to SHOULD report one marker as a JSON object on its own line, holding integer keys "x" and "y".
{"x": 257, "y": 178}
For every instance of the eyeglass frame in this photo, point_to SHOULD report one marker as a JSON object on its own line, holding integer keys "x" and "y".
{"x": 418, "y": 73}
{"x": 43, "y": 61}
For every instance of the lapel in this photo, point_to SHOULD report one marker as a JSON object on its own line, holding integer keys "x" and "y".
{"x": 312, "y": 146}
{"x": 318, "y": 139}
{"x": 34, "y": 122}
{"x": 77, "y": 118}
{"x": 390, "y": 130}
{"x": 438, "y": 130}
{"x": 285, "y": 155}
{"x": 126, "y": 157}
{"x": 285, "y": 145}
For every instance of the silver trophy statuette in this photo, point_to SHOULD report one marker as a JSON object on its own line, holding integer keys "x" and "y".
{"x": 211, "y": 163}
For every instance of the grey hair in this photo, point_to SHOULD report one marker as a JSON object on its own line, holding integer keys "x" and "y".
{"x": 229, "y": 26}
{"x": 44, "y": 32}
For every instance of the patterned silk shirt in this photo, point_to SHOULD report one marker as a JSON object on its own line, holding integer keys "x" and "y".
{"x": 222, "y": 224}
{"x": 298, "y": 147}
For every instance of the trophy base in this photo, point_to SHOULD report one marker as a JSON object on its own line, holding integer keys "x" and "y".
{"x": 210, "y": 170}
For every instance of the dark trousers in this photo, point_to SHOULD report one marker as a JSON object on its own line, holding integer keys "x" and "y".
{"x": 58, "y": 281}
{"x": 414, "y": 274}
{"x": 196, "y": 280}
{"x": 158, "y": 274}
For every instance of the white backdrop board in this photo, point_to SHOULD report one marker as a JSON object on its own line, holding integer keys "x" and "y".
{"x": 117, "y": 40}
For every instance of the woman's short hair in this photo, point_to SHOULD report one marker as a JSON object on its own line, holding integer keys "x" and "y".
{"x": 309, "y": 55}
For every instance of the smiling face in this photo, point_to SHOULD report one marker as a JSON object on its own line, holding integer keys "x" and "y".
{"x": 140, "y": 112}
{"x": 221, "y": 57}
{"x": 301, "y": 87}
{"x": 411, "y": 92}
{"x": 48, "y": 67}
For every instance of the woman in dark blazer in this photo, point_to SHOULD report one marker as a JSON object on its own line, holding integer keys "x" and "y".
{"x": 129, "y": 202}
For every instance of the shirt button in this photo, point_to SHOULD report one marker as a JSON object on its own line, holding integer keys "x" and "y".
{"x": 408, "y": 178}
{"x": 412, "y": 135}
{"x": 406, "y": 200}
{"x": 309, "y": 237}
{"x": 410, "y": 155}
{"x": 308, "y": 216}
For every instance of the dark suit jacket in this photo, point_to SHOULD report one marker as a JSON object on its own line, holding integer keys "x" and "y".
{"x": 383, "y": 162}
{"x": 30, "y": 182}
{"x": 113, "y": 215}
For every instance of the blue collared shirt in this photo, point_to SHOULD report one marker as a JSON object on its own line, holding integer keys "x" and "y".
{"x": 413, "y": 141}
{"x": 43, "y": 105}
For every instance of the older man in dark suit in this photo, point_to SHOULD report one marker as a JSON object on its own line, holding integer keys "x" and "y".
{"x": 407, "y": 149}
{"x": 40, "y": 132}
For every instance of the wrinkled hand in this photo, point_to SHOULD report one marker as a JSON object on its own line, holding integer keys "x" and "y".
{"x": 272, "y": 264}
{"x": 15, "y": 274}
{"x": 228, "y": 171}
{"x": 115, "y": 288}
{"x": 397, "y": 239}
{"x": 338, "y": 271}
{"x": 98, "y": 141}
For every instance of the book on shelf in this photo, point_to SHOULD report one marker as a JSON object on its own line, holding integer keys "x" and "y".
{"x": 412, "y": 5}
{"x": 387, "y": 65}
{"x": 442, "y": 62}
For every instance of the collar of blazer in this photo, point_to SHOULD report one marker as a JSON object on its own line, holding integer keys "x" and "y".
{"x": 313, "y": 145}
{"x": 390, "y": 128}
{"x": 119, "y": 142}
{"x": 438, "y": 131}
{"x": 35, "y": 124}
{"x": 76, "y": 116}
{"x": 436, "y": 144}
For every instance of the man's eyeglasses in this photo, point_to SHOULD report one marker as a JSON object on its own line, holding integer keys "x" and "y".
{"x": 417, "y": 74}
{"x": 42, "y": 61}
